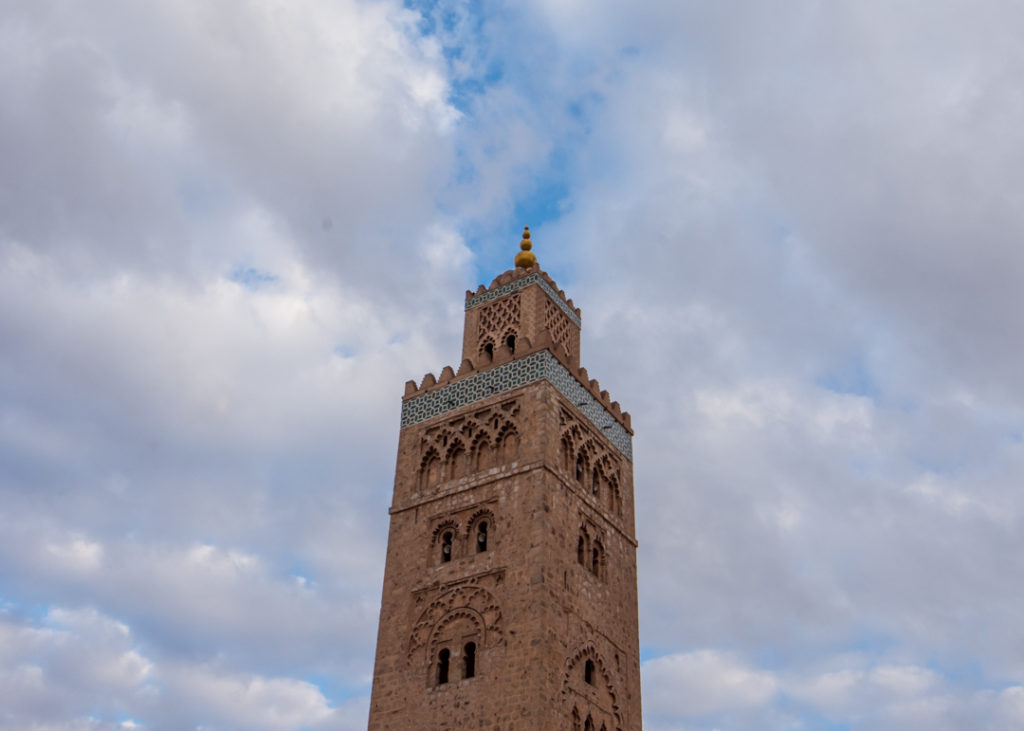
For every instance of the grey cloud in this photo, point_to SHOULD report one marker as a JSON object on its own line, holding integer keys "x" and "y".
{"x": 792, "y": 231}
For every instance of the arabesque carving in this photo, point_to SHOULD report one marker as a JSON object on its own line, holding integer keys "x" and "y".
{"x": 600, "y": 695}
{"x": 498, "y": 321}
{"x": 586, "y": 461}
{"x": 491, "y": 433}
{"x": 556, "y": 323}
{"x": 471, "y": 602}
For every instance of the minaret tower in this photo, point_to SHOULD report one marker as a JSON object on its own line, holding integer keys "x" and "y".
{"x": 509, "y": 595}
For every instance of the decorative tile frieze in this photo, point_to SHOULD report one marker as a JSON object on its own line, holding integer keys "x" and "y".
{"x": 520, "y": 284}
{"x": 516, "y": 373}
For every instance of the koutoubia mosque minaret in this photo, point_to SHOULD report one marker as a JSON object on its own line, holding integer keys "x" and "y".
{"x": 510, "y": 593}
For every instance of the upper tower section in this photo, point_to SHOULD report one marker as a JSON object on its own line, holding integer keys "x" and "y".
{"x": 522, "y": 302}
{"x": 519, "y": 330}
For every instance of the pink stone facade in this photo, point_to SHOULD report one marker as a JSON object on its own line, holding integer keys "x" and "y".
{"x": 509, "y": 597}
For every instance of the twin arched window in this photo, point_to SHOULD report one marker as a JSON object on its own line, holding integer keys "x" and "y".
{"x": 449, "y": 546}
{"x": 590, "y": 554}
{"x": 444, "y": 660}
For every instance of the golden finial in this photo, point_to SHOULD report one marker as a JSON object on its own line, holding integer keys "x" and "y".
{"x": 526, "y": 258}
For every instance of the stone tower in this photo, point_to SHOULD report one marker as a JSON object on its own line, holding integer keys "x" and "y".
{"x": 509, "y": 595}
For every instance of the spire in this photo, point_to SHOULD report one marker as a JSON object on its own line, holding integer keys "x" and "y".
{"x": 526, "y": 258}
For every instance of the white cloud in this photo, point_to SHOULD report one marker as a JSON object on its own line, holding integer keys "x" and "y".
{"x": 702, "y": 683}
{"x": 229, "y": 233}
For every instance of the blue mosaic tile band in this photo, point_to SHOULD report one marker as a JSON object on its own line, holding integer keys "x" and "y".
{"x": 516, "y": 373}
{"x": 519, "y": 284}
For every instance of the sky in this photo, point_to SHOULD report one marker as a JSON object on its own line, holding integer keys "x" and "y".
{"x": 231, "y": 231}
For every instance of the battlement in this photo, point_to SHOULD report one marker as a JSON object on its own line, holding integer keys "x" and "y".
{"x": 502, "y": 355}
{"x": 508, "y": 281}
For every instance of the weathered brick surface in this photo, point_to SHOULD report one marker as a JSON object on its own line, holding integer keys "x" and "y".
{"x": 524, "y": 463}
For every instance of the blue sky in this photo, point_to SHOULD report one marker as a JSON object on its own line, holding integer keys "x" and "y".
{"x": 230, "y": 232}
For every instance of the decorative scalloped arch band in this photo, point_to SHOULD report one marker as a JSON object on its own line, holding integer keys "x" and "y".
{"x": 537, "y": 366}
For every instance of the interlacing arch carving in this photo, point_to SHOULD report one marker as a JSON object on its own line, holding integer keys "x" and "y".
{"x": 605, "y": 484}
{"x": 588, "y": 464}
{"x": 483, "y": 452}
{"x": 507, "y": 443}
{"x": 456, "y": 460}
{"x": 430, "y": 469}
{"x": 556, "y": 323}
{"x": 500, "y": 314}
{"x": 467, "y": 615}
{"x": 469, "y": 443}
{"x": 473, "y": 603}
{"x": 497, "y": 321}
{"x": 588, "y": 688}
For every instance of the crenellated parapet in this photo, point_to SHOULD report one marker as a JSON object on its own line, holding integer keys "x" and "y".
{"x": 521, "y": 303}
{"x": 436, "y": 396}
{"x": 514, "y": 279}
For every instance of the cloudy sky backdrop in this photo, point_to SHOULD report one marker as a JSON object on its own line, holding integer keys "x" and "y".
{"x": 230, "y": 232}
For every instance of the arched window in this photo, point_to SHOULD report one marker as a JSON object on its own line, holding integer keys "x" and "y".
{"x": 581, "y": 551}
{"x": 588, "y": 674}
{"x": 446, "y": 546}
{"x": 481, "y": 536}
{"x": 595, "y": 484}
{"x": 484, "y": 456}
{"x": 489, "y": 349}
{"x": 597, "y": 560}
{"x": 510, "y": 341}
{"x": 588, "y": 725}
{"x": 509, "y": 446}
{"x": 457, "y": 462}
{"x": 469, "y": 660}
{"x": 580, "y": 465}
{"x": 443, "y": 659}
{"x": 430, "y": 471}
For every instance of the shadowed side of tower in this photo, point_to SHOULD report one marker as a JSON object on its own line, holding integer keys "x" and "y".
{"x": 509, "y": 597}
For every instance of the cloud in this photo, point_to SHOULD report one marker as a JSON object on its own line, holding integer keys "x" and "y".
{"x": 228, "y": 234}
{"x": 702, "y": 683}
{"x": 78, "y": 664}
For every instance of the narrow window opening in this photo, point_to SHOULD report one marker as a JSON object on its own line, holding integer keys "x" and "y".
{"x": 581, "y": 550}
{"x": 588, "y": 725}
{"x": 579, "y": 469}
{"x": 510, "y": 341}
{"x": 481, "y": 537}
{"x": 588, "y": 676}
{"x": 469, "y": 660}
{"x": 443, "y": 658}
{"x": 446, "y": 547}
{"x": 489, "y": 349}
{"x": 595, "y": 562}
{"x": 595, "y": 485}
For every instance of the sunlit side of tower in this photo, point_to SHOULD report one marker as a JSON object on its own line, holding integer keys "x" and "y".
{"x": 509, "y": 597}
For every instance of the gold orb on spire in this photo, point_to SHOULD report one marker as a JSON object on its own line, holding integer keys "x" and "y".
{"x": 526, "y": 258}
